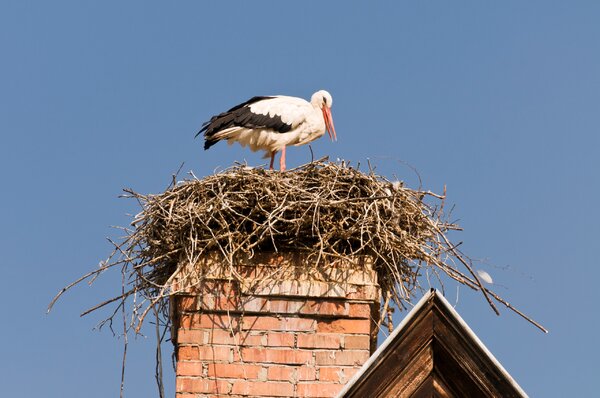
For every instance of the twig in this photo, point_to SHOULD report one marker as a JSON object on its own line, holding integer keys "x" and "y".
{"x": 125, "y": 339}
{"x": 159, "y": 369}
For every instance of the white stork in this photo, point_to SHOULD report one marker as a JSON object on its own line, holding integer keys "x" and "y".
{"x": 272, "y": 123}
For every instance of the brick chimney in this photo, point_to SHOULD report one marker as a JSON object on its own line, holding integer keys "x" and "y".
{"x": 280, "y": 328}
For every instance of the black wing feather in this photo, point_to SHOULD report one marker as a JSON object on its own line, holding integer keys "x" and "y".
{"x": 241, "y": 116}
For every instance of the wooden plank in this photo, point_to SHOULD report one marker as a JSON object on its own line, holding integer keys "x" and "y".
{"x": 425, "y": 390}
{"x": 388, "y": 370}
{"x": 410, "y": 379}
{"x": 441, "y": 389}
{"x": 463, "y": 363}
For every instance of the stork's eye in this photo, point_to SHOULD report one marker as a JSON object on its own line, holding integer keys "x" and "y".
{"x": 325, "y": 100}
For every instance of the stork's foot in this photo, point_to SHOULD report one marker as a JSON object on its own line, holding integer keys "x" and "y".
{"x": 282, "y": 160}
{"x": 272, "y": 161}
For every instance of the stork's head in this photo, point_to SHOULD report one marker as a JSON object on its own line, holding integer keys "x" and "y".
{"x": 322, "y": 100}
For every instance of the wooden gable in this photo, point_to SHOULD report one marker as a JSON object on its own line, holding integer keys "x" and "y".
{"x": 433, "y": 353}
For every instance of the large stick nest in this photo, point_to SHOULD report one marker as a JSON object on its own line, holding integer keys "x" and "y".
{"x": 326, "y": 210}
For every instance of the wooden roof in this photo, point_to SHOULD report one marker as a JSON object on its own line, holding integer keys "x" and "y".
{"x": 433, "y": 353}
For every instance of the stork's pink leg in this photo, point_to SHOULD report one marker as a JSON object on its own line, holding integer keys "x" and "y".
{"x": 272, "y": 160}
{"x": 282, "y": 160}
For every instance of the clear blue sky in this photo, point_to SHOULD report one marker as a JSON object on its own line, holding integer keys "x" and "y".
{"x": 500, "y": 101}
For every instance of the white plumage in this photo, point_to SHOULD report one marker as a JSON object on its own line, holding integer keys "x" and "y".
{"x": 273, "y": 123}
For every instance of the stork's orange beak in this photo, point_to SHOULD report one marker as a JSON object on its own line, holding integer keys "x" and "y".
{"x": 329, "y": 123}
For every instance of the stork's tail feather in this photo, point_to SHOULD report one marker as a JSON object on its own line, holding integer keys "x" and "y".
{"x": 209, "y": 143}
{"x": 212, "y": 137}
{"x": 209, "y": 139}
{"x": 202, "y": 129}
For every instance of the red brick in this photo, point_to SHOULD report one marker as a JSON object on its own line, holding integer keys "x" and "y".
{"x": 285, "y": 306}
{"x": 306, "y": 373}
{"x": 344, "y": 326}
{"x": 190, "y": 336}
{"x": 320, "y": 390}
{"x": 185, "y": 368}
{"x": 280, "y": 373}
{"x": 221, "y": 337}
{"x": 319, "y": 340}
{"x": 186, "y": 353}
{"x": 271, "y": 355}
{"x": 216, "y": 396}
{"x": 324, "y": 308}
{"x": 349, "y": 373}
{"x": 215, "y": 353}
{"x": 194, "y": 385}
{"x": 209, "y": 321}
{"x": 359, "y": 310}
{"x": 360, "y": 342}
{"x": 186, "y": 303}
{"x": 208, "y": 302}
{"x": 184, "y": 395}
{"x": 257, "y": 389}
{"x": 252, "y": 339}
{"x": 214, "y": 288}
{"x": 280, "y": 339}
{"x": 291, "y": 373}
{"x": 337, "y": 374}
{"x": 255, "y": 304}
{"x": 277, "y": 323}
{"x": 233, "y": 370}
{"x": 330, "y": 374}
{"x": 366, "y": 292}
{"x": 220, "y": 303}
{"x": 348, "y": 357}
{"x": 211, "y": 353}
